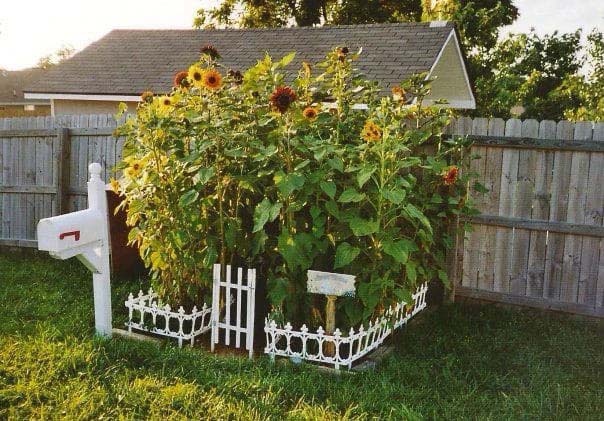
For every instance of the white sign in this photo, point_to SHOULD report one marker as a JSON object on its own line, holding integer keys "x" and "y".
{"x": 85, "y": 235}
{"x": 328, "y": 283}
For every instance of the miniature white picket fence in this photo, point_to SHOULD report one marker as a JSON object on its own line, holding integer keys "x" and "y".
{"x": 222, "y": 319}
{"x": 189, "y": 326}
{"x": 348, "y": 349}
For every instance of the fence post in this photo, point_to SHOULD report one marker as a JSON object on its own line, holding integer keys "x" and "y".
{"x": 62, "y": 169}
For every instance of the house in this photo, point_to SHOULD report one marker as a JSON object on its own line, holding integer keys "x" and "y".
{"x": 124, "y": 63}
{"x": 12, "y": 101}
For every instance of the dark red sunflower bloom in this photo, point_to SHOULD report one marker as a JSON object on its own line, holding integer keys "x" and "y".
{"x": 450, "y": 176}
{"x": 236, "y": 75}
{"x": 180, "y": 79}
{"x": 282, "y": 98}
{"x": 210, "y": 50}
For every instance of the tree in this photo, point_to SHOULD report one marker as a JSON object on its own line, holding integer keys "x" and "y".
{"x": 266, "y": 13}
{"x": 528, "y": 70}
{"x": 589, "y": 88}
{"x": 57, "y": 57}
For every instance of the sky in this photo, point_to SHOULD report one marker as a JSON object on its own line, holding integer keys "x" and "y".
{"x": 30, "y": 29}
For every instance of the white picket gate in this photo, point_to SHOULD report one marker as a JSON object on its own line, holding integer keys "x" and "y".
{"x": 221, "y": 314}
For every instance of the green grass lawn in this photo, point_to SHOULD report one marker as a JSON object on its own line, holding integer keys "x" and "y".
{"x": 478, "y": 362}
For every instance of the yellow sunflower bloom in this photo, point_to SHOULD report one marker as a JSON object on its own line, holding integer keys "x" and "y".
{"x": 115, "y": 185}
{"x": 164, "y": 104}
{"x": 371, "y": 132}
{"x": 134, "y": 169}
{"x": 212, "y": 79}
{"x": 195, "y": 75}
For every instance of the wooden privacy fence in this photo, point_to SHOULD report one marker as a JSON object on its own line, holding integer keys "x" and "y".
{"x": 44, "y": 168}
{"x": 539, "y": 240}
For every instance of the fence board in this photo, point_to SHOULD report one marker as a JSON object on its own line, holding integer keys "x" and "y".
{"x": 591, "y": 256}
{"x": 540, "y": 210}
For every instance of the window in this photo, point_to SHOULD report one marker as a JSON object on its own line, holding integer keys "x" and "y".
{"x": 29, "y": 108}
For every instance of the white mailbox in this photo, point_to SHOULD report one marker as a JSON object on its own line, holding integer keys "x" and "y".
{"x": 68, "y": 235}
{"x": 85, "y": 235}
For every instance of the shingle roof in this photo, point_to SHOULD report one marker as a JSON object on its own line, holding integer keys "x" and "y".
{"x": 127, "y": 62}
{"x": 13, "y": 82}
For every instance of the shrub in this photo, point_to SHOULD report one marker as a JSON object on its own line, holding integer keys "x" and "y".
{"x": 247, "y": 169}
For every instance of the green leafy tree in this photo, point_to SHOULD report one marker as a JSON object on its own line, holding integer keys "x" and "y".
{"x": 588, "y": 88}
{"x": 528, "y": 71}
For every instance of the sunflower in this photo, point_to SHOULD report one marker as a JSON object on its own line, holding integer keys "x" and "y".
{"x": 310, "y": 113}
{"x": 115, "y": 185}
{"x": 147, "y": 97}
{"x": 134, "y": 169}
{"x": 307, "y": 68}
{"x": 180, "y": 80}
{"x": 211, "y": 51}
{"x": 371, "y": 132}
{"x": 236, "y": 76}
{"x": 342, "y": 52}
{"x": 195, "y": 74}
{"x": 282, "y": 97}
{"x": 450, "y": 175}
{"x": 398, "y": 93}
{"x": 212, "y": 79}
{"x": 165, "y": 104}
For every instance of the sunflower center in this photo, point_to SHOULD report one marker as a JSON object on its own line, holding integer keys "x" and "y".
{"x": 283, "y": 100}
{"x": 212, "y": 79}
{"x": 197, "y": 76}
{"x": 167, "y": 102}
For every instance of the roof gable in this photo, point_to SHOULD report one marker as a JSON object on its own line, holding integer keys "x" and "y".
{"x": 127, "y": 62}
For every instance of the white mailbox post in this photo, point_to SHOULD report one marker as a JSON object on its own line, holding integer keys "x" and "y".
{"x": 85, "y": 235}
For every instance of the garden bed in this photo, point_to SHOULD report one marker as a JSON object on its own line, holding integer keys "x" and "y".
{"x": 304, "y": 345}
{"x": 146, "y": 314}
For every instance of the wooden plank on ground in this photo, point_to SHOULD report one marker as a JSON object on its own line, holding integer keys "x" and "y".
{"x": 536, "y": 302}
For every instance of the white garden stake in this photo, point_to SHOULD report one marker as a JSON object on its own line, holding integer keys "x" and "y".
{"x": 332, "y": 285}
{"x": 85, "y": 235}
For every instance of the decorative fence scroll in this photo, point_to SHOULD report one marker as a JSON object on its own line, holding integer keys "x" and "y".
{"x": 165, "y": 322}
{"x": 233, "y": 322}
{"x": 310, "y": 346}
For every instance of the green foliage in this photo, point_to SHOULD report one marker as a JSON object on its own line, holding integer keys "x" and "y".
{"x": 589, "y": 88}
{"x": 220, "y": 174}
{"x": 528, "y": 70}
{"x": 275, "y": 13}
{"x": 460, "y": 362}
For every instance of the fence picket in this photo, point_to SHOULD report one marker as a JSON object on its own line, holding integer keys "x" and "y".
{"x": 591, "y": 256}
{"x": 577, "y": 189}
{"x": 540, "y": 210}
{"x": 558, "y": 209}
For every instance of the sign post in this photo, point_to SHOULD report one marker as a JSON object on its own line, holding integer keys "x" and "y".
{"x": 332, "y": 285}
{"x": 85, "y": 235}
